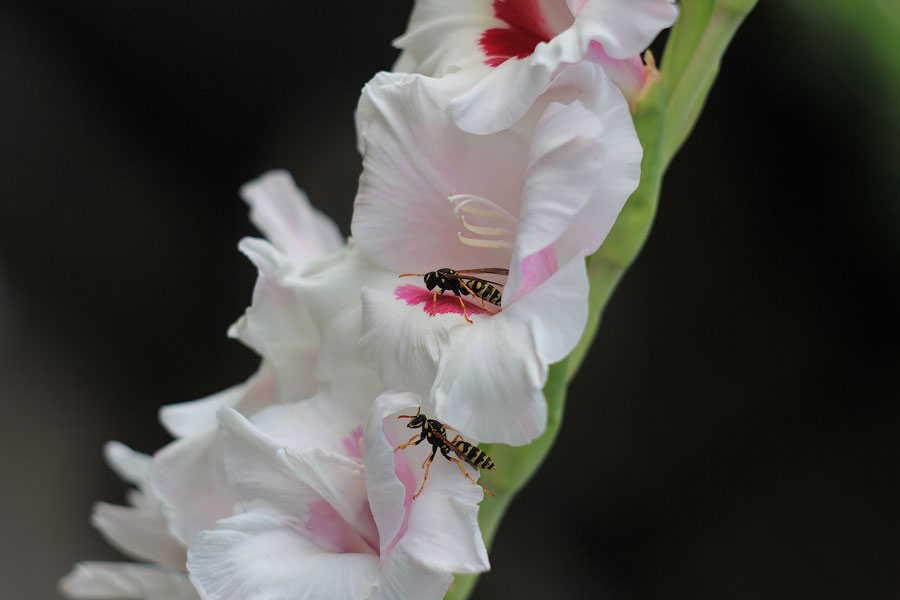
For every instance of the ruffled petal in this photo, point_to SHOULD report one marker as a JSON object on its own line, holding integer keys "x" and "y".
{"x": 196, "y": 416}
{"x": 283, "y": 213}
{"x": 403, "y": 577}
{"x": 189, "y": 479}
{"x": 118, "y": 581}
{"x": 442, "y": 37}
{"x": 326, "y": 422}
{"x": 403, "y": 217}
{"x": 501, "y": 97}
{"x": 489, "y": 382}
{"x": 139, "y": 533}
{"x": 277, "y": 324}
{"x": 404, "y": 343}
{"x": 623, "y": 27}
{"x": 439, "y": 529}
{"x": 493, "y": 394}
{"x": 331, "y": 292}
{"x": 341, "y": 482}
{"x": 267, "y": 481}
{"x": 262, "y": 557}
{"x": 133, "y": 467}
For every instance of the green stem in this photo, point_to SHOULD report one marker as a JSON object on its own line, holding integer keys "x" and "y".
{"x": 697, "y": 43}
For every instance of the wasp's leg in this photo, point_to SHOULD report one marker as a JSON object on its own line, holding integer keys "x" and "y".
{"x": 456, "y": 439}
{"x": 434, "y": 301}
{"x": 459, "y": 464}
{"x": 421, "y": 437}
{"x": 479, "y": 298}
{"x": 463, "y": 304}
{"x": 427, "y": 468}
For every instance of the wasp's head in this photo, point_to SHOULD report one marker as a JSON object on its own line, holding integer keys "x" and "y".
{"x": 416, "y": 420}
{"x": 430, "y": 280}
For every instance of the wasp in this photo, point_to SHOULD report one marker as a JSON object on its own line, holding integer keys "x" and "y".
{"x": 436, "y": 433}
{"x": 462, "y": 283}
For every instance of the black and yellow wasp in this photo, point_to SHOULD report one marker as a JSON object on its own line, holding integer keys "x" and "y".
{"x": 462, "y": 283}
{"x": 436, "y": 433}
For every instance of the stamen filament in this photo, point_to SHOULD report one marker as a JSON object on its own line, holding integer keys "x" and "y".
{"x": 485, "y": 230}
{"x": 493, "y": 211}
{"x": 493, "y": 244}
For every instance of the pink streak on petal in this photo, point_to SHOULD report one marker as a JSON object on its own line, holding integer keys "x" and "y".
{"x": 628, "y": 74}
{"x": 536, "y": 269}
{"x": 526, "y": 28}
{"x": 352, "y": 443}
{"x": 447, "y": 303}
{"x": 405, "y": 475}
{"x": 326, "y": 524}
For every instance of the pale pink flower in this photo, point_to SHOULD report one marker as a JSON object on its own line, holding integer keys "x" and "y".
{"x": 535, "y": 199}
{"x": 326, "y": 508}
{"x": 494, "y": 57}
{"x": 183, "y": 489}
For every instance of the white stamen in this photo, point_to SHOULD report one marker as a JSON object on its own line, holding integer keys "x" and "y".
{"x": 493, "y": 244}
{"x": 497, "y": 231}
{"x": 490, "y": 210}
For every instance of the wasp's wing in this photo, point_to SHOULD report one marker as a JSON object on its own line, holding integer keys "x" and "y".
{"x": 452, "y": 446}
{"x": 494, "y": 270}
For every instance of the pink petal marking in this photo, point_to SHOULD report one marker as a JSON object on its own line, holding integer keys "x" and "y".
{"x": 352, "y": 443}
{"x": 327, "y": 525}
{"x": 536, "y": 269}
{"x": 527, "y": 28}
{"x": 405, "y": 475}
{"x": 446, "y": 303}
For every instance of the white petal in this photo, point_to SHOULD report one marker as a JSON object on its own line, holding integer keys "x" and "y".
{"x": 442, "y": 37}
{"x": 404, "y": 343}
{"x": 494, "y": 394}
{"x": 133, "y": 467}
{"x": 258, "y": 557}
{"x": 189, "y": 479}
{"x": 319, "y": 422}
{"x": 341, "y": 482}
{"x": 283, "y": 213}
{"x": 501, "y": 97}
{"x": 196, "y": 416}
{"x": 277, "y": 325}
{"x": 440, "y": 527}
{"x": 107, "y": 580}
{"x": 403, "y": 218}
{"x": 562, "y": 174}
{"x": 139, "y": 533}
{"x": 403, "y": 577}
{"x": 266, "y": 483}
{"x": 489, "y": 382}
{"x": 389, "y": 490}
{"x": 259, "y": 477}
{"x": 624, "y": 27}
{"x": 331, "y": 292}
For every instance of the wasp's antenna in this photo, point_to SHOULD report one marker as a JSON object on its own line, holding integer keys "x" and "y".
{"x": 413, "y": 275}
{"x": 411, "y": 416}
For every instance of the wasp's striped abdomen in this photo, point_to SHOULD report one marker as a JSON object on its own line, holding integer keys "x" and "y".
{"x": 485, "y": 291}
{"x": 474, "y": 455}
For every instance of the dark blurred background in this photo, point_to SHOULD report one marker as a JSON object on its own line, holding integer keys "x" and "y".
{"x": 734, "y": 433}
